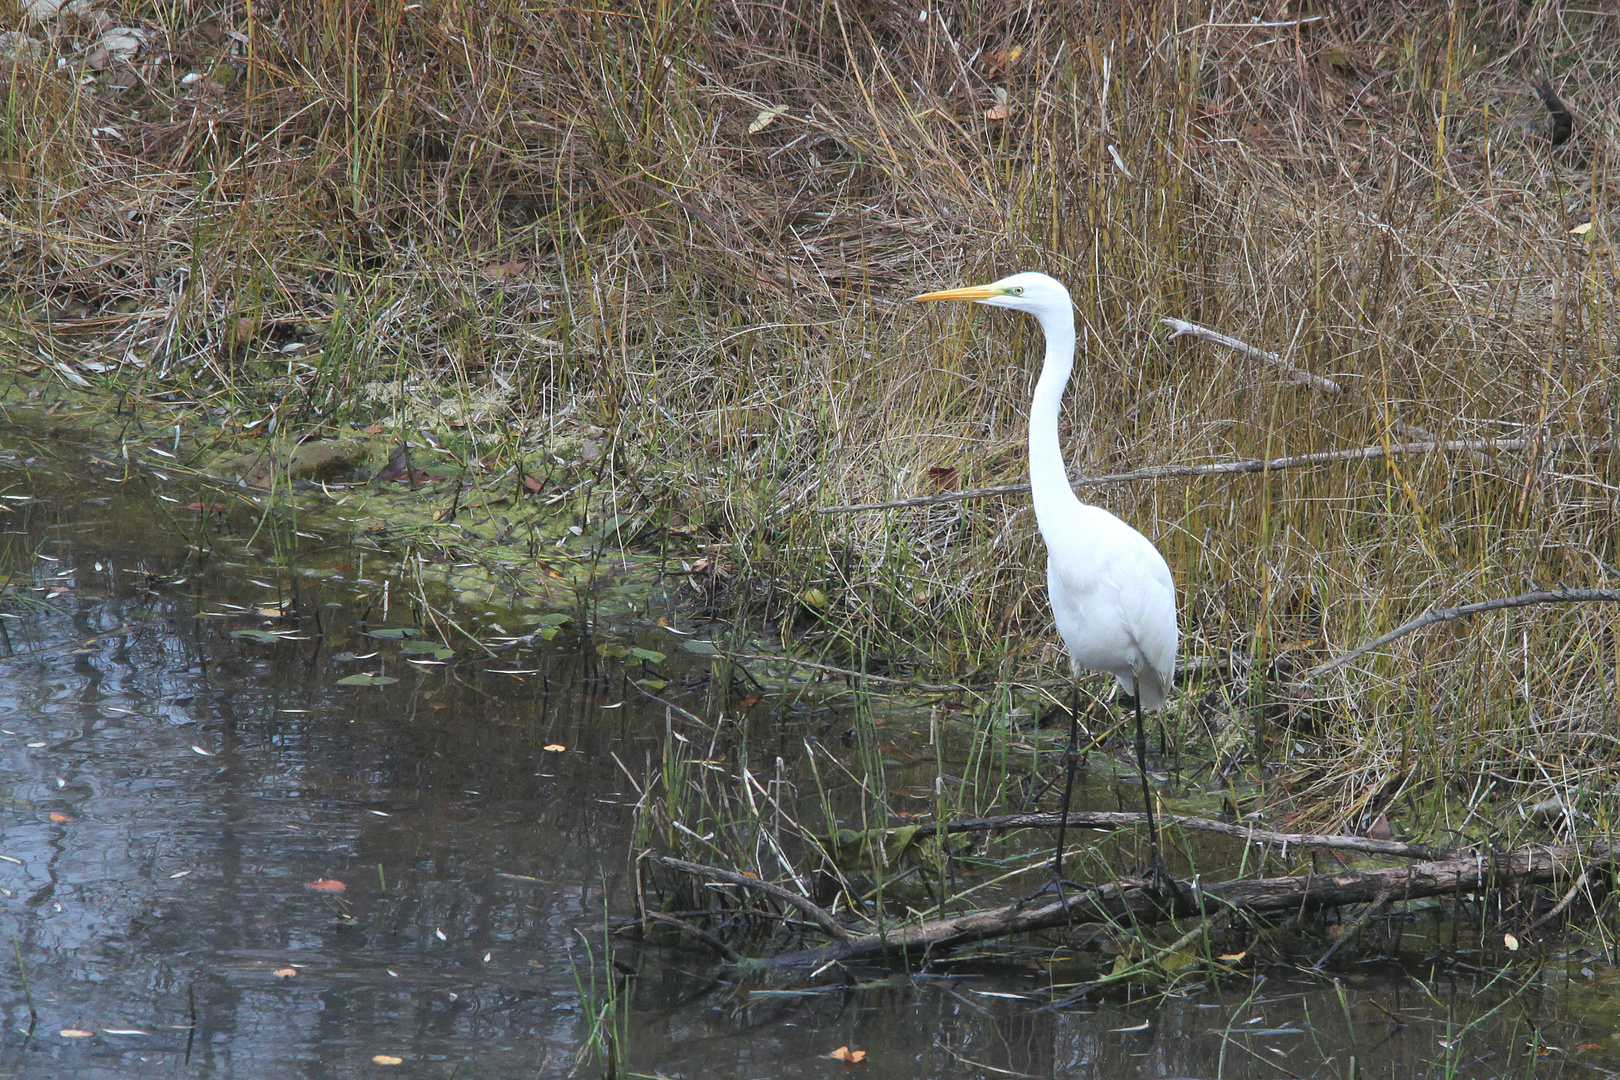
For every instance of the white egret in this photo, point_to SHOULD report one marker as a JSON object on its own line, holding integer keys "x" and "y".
{"x": 1112, "y": 595}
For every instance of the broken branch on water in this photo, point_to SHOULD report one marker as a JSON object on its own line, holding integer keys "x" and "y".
{"x": 1114, "y": 902}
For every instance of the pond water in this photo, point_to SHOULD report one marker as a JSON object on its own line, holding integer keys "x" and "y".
{"x": 182, "y": 802}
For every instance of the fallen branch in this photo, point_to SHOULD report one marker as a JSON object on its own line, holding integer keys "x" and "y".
{"x": 1132, "y": 904}
{"x": 1242, "y": 467}
{"x": 1544, "y": 596}
{"x": 1112, "y": 819}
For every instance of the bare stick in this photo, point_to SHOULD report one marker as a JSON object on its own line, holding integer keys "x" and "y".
{"x": 1111, "y": 819}
{"x": 1294, "y": 374}
{"x": 1355, "y": 928}
{"x": 1543, "y": 596}
{"x": 731, "y": 877}
{"x": 1247, "y": 465}
{"x": 730, "y": 955}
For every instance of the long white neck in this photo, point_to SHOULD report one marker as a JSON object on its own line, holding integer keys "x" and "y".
{"x": 1049, "y": 481}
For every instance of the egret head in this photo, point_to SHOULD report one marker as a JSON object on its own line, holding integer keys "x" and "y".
{"x": 1034, "y": 293}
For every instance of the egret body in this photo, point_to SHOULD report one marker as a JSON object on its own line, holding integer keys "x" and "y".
{"x": 1112, "y": 595}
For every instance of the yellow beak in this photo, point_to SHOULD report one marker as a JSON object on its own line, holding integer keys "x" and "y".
{"x": 972, "y": 292}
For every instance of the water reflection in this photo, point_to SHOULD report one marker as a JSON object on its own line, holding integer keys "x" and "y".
{"x": 173, "y": 788}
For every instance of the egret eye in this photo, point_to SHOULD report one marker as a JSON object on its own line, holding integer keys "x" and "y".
{"x": 1016, "y": 290}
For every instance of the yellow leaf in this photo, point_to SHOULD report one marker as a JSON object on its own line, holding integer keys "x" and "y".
{"x": 387, "y": 1059}
{"x": 1582, "y": 229}
{"x": 766, "y": 118}
{"x": 555, "y": 748}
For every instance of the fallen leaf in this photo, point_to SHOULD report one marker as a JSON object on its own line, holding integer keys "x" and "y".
{"x": 75, "y": 1033}
{"x": 60, "y": 817}
{"x": 284, "y": 973}
{"x": 848, "y": 1056}
{"x": 766, "y": 118}
{"x": 387, "y": 1059}
{"x": 997, "y": 112}
{"x": 326, "y": 885}
{"x": 502, "y": 271}
{"x": 555, "y": 748}
{"x": 1582, "y": 229}
{"x": 1511, "y": 942}
{"x": 1002, "y": 59}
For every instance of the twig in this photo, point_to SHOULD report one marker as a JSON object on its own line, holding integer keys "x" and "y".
{"x": 1247, "y": 465}
{"x": 1296, "y": 374}
{"x": 1293, "y": 373}
{"x": 1355, "y": 928}
{"x": 1543, "y": 596}
{"x": 820, "y": 915}
{"x": 731, "y": 955}
{"x": 1580, "y": 883}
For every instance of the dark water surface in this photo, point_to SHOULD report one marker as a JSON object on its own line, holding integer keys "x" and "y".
{"x": 172, "y": 789}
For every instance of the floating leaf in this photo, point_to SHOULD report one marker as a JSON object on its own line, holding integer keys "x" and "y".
{"x": 366, "y": 680}
{"x": 395, "y": 633}
{"x": 1511, "y": 942}
{"x": 386, "y": 1059}
{"x": 702, "y": 648}
{"x": 555, "y": 618}
{"x": 60, "y": 817}
{"x": 262, "y": 636}
{"x": 616, "y": 652}
{"x": 427, "y": 648}
{"x": 75, "y": 1033}
{"x": 326, "y": 885}
{"x": 766, "y": 118}
{"x": 653, "y": 684}
{"x": 284, "y": 973}
{"x": 652, "y": 656}
{"x": 555, "y": 748}
{"x": 848, "y": 1056}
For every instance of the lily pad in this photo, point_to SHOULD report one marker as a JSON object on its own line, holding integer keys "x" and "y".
{"x": 427, "y": 648}
{"x": 264, "y": 637}
{"x": 366, "y": 680}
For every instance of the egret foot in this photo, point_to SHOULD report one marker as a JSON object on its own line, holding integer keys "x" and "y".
{"x": 1054, "y": 884}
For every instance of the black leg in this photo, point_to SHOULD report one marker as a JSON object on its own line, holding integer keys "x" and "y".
{"x": 1157, "y": 866}
{"x": 1068, "y": 789}
{"x": 1156, "y": 869}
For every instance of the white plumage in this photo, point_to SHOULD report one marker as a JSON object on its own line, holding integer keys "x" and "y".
{"x": 1112, "y": 595}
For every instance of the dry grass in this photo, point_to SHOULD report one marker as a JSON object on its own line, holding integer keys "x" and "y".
{"x": 569, "y": 216}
